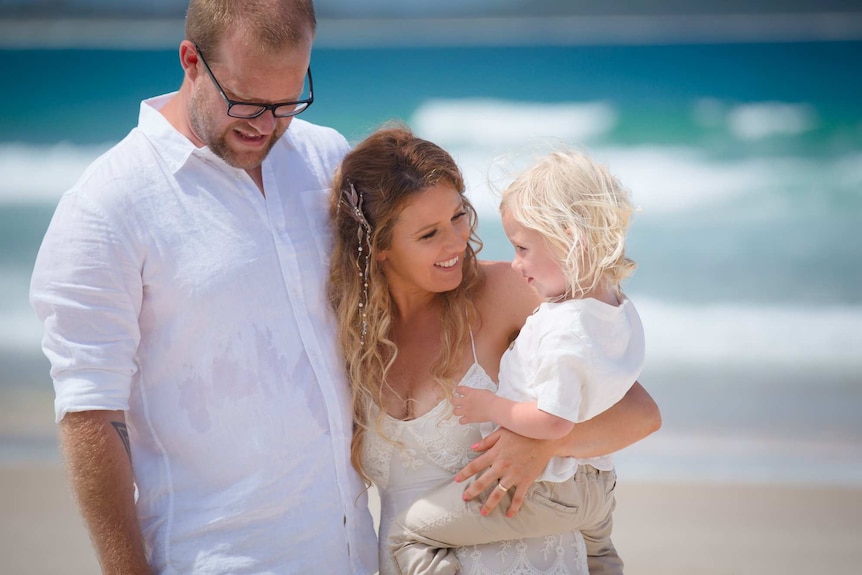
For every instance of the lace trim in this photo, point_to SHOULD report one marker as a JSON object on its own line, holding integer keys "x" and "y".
{"x": 512, "y": 558}
{"x": 448, "y": 449}
{"x": 477, "y": 378}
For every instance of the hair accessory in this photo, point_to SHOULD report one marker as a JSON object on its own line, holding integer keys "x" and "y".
{"x": 353, "y": 202}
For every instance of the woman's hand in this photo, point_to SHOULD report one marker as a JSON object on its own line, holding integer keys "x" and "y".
{"x": 511, "y": 462}
{"x": 515, "y": 461}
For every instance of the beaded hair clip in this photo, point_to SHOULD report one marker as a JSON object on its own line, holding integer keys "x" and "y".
{"x": 353, "y": 202}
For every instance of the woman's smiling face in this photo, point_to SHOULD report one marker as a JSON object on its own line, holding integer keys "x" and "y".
{"x": 429, "y": 239}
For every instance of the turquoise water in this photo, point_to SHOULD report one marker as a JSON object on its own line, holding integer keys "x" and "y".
{"x": 90, "y": 96}
{"x": 746, "y": 161}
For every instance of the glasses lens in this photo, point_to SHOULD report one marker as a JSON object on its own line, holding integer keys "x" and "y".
{"x": 290, "y": 110}
{"x": 245, "y": 110}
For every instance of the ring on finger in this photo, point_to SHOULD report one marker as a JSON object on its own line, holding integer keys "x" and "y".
{"x": 503, "y": 489}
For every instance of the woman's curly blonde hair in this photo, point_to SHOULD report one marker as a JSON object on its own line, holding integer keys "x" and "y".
{"x": 385, "y": 170}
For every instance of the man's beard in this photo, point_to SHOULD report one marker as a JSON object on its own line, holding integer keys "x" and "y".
{"x": 246, "y": 160}
{"x": 218, "y": 142}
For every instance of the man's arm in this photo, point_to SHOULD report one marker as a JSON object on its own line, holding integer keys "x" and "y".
{"x": 516, "y": 461}
{"x": 95, "y": 447}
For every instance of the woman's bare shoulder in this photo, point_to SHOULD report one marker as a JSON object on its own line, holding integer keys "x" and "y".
{"x": 502, "y": 274}
{"x": 489, "y": 267}
{"x": 504, "y": 292}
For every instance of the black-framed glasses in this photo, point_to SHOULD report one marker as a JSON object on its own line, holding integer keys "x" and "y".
{"x": 249, "y": 110}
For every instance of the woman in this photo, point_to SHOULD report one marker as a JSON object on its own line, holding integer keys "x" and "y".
{"x": 418, "y": 315}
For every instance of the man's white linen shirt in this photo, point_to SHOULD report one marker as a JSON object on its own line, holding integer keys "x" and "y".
{"x": 172, "y": 289}
{"x": 576, "y": 359}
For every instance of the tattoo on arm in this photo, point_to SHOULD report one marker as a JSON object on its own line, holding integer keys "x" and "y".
{"x": 123, "y": 432}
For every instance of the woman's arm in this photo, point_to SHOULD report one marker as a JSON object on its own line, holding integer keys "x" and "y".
{"x": 628, "y": 421}
{"x": 516, "y": 461}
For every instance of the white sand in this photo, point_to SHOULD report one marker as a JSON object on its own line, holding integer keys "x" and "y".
{"x": 690, "y": 529}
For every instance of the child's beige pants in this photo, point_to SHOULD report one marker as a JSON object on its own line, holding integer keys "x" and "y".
{"x": 422, "y": 538}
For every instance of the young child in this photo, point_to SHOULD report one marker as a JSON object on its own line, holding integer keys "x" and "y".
{"x": 576, "y": 356}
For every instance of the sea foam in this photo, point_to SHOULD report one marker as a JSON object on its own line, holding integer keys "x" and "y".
{"x": 41, "y": 173}
{"x": 493, "y": 139}
{"x": 765, "y": 119}
{"x": 722, "y": 334}
{"x": 679, "y": 179}
{"x": 489, "y": 123}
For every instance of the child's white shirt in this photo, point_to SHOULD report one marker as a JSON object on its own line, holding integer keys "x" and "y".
{"x": 576, "y": 358}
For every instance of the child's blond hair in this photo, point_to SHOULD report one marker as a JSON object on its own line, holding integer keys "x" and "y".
{"x": 582, "y": 212}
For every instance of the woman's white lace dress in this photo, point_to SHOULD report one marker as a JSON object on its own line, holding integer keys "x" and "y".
{"x": 431, "y": 449}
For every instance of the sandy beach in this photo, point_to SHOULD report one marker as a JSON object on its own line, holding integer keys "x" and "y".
{"x": 660, "y": 529}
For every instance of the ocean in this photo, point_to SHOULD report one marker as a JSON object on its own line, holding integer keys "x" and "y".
{"x": 745, "y": 160}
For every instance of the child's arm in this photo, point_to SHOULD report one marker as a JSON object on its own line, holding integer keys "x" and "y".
{"x": 524, "y": 418}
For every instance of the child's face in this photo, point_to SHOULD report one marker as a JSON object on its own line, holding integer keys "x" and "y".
{"x": 533, "y": 259}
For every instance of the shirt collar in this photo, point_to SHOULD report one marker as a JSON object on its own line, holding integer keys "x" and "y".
{"x": 174, "y": 148}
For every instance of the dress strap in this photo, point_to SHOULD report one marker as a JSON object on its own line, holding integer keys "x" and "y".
{"x": 473, "y": 345}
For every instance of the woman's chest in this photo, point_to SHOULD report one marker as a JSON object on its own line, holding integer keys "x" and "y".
{"x": 400, "y": 454}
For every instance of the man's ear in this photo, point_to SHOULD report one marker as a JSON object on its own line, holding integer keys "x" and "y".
{"x": 189, "y": 59}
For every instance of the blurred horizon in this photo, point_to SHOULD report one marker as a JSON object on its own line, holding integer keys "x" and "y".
{"x": 445, "y": 8}
{"x": 348, "y": 23}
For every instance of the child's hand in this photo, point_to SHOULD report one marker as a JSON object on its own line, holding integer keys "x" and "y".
{"x": 473, "y": 405}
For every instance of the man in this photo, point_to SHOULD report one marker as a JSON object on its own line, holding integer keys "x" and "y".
{"x": 181, "y": 284}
